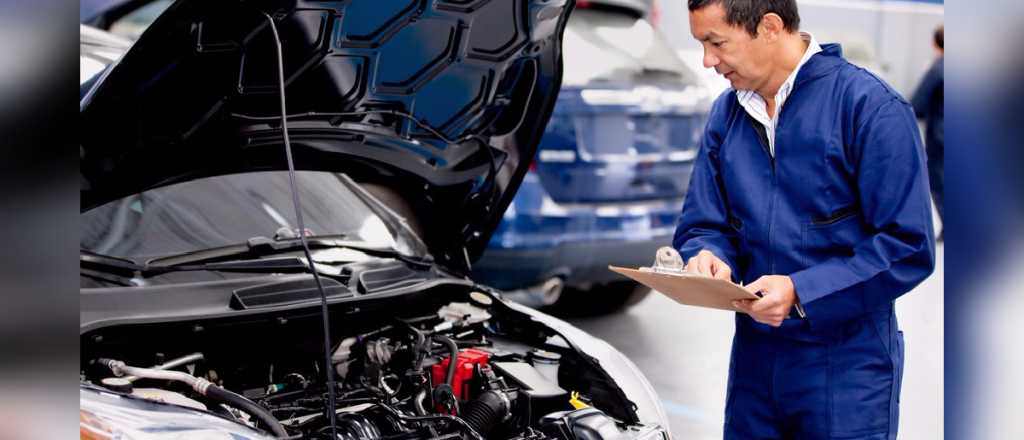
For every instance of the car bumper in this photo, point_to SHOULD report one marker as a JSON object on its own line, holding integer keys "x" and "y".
{"x": 580, "y": 263}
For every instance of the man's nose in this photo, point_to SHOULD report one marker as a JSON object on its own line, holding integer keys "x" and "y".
{"x": 710, "y": 60}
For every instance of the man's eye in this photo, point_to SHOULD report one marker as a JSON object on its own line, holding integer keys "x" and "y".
{"x": 717, "y": 43}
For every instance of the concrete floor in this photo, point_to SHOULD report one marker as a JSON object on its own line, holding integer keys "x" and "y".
{"x": 684, "y": 351}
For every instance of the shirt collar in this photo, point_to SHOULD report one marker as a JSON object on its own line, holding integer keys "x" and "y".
{"x": 812, "y": 48}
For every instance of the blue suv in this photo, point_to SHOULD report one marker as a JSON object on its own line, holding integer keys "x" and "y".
{"x": 608, "y": 181}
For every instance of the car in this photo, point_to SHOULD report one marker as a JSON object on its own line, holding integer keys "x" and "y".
{"x": 401, "y": 130}
{"x": 607, "y": 184}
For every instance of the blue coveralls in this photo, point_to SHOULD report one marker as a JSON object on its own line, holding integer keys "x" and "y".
{"x": 843, "y": 209}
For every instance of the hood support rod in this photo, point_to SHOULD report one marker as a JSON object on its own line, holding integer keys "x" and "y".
{"x": 324, "y": 312}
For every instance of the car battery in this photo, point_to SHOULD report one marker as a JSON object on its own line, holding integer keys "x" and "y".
{"x": 465, "y": 365}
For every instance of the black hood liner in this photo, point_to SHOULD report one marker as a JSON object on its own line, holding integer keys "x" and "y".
{"x": 443, "y": 101}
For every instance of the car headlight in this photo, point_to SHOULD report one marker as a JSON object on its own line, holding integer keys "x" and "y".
{"x": 655, "y": 433}
{"x": 107, "y": 416}
{"x": 625, "y": 373}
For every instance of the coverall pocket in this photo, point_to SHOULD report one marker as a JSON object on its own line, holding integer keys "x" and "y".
{"x": 834, "y": 236}
{"x": 741, "y": 238}
{"x": 861, "y": 384}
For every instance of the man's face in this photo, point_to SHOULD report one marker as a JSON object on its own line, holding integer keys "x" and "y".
{"x": 744, "y": 60}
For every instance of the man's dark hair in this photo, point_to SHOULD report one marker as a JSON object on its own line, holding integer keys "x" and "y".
{"x": 939, "y": 39}
{"x": 748, "y": 13}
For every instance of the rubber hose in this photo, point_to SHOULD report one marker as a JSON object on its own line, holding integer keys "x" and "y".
{"x": 356, "y": 427}
{"x": 419, "y": 345}
{"x": 235, "y": 400}
{"x": 454, "y": 350}
{"x": 417, "y": 402}
{"x": 201, "y": 386}
{"x": 484, "y": 413}
{"x": 445, "y": 417}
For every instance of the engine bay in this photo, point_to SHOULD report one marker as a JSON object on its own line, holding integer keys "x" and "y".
{"x": 469, "y": 368}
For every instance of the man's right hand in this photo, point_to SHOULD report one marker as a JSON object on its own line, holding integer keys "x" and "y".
{"x": 707, "y": 264}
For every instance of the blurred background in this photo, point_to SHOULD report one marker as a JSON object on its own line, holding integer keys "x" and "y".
{"x": 964, "y": 359}
{"x": 685, "y": 351}
{"x": 616, "y": 202}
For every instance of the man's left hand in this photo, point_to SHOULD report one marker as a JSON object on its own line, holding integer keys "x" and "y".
{"x": 773, "y": 307}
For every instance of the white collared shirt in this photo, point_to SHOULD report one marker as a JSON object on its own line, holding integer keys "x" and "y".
{"x": 758, "y": 108}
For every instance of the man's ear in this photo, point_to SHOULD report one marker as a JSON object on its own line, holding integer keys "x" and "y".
{"x": 771, "y": 27}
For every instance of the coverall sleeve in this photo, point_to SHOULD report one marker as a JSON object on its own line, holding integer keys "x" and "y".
{"x": 892, "y": 182}
{"x": 704, "y": 223}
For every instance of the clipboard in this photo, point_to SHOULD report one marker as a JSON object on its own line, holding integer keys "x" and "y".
{"x": 689, "y": 289}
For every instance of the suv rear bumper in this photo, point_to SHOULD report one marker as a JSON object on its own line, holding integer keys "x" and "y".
{"x": 581, "y": 263}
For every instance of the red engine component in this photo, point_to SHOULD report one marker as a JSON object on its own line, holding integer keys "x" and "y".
{"x": 464, "y": 366}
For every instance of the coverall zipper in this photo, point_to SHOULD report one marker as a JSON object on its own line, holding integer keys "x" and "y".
{"x": 762, "y": 139}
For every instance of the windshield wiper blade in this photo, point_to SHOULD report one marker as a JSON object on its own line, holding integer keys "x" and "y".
{"x": 258, "y": 247}
{"x": 248, "y": 257}
{"x": 261, "y": 265}
{"x": 123, "y": 271}
{"x": 90, "y": 259}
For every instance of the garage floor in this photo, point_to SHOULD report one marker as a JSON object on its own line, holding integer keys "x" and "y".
{"x": 684, "y": 351}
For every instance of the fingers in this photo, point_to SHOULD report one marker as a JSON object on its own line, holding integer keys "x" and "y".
{"x": 707, "y": 264}
{"x": 765, "y": 304}
{"x": 770, "y": 317}
{"x": 772, "y": 321}
{"x": 722, "y": 271}
{"x": 766, "y": 310}
{"x": 758, "y": 285}
{"x": 698, "y": 264}
{"x": 704, "y": 260}
{"x": 756, "y": 310}
{"x": 743, "y": 305}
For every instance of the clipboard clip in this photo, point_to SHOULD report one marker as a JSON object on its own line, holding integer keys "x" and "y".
{"x": 668, "y": 260}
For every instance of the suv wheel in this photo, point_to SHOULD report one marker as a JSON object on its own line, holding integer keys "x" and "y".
{"x": 599, "y": 300}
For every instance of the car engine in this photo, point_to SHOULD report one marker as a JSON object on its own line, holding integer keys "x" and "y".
{"x": 473, "y": 369}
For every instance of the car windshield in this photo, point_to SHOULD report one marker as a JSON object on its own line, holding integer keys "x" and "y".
{"x": 230, "y": 209}
{"x": 615, "y": 46}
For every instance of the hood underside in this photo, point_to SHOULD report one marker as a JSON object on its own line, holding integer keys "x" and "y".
{"x": 443, "y": 101}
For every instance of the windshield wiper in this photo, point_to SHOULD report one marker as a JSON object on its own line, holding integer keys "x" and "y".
{"x": 89, "y": 259}
{"x": 226, "y": 259}
{"x": 248, "y": 257}
{"x": 109, "y": 269}
{"x": 127, "y": 273}
{"x": 258, "y": 247}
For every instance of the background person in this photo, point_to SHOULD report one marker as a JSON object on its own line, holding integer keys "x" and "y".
{"x": 929, "y": 105}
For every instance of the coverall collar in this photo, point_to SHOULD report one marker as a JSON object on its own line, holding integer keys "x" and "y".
{"x": 822, "y": 63}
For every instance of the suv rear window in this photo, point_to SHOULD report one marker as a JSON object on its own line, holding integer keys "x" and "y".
{"x": 609, "y": 45}
{"x": 133, "y": 23}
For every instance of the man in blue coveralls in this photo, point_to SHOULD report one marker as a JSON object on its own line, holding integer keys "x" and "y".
{"x": 811, "y": 188}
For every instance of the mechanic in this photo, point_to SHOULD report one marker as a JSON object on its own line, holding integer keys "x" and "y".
{"x": 811, "y": 188}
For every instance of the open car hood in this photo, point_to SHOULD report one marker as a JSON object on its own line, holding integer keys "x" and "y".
{"x": 442, "y": 101}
